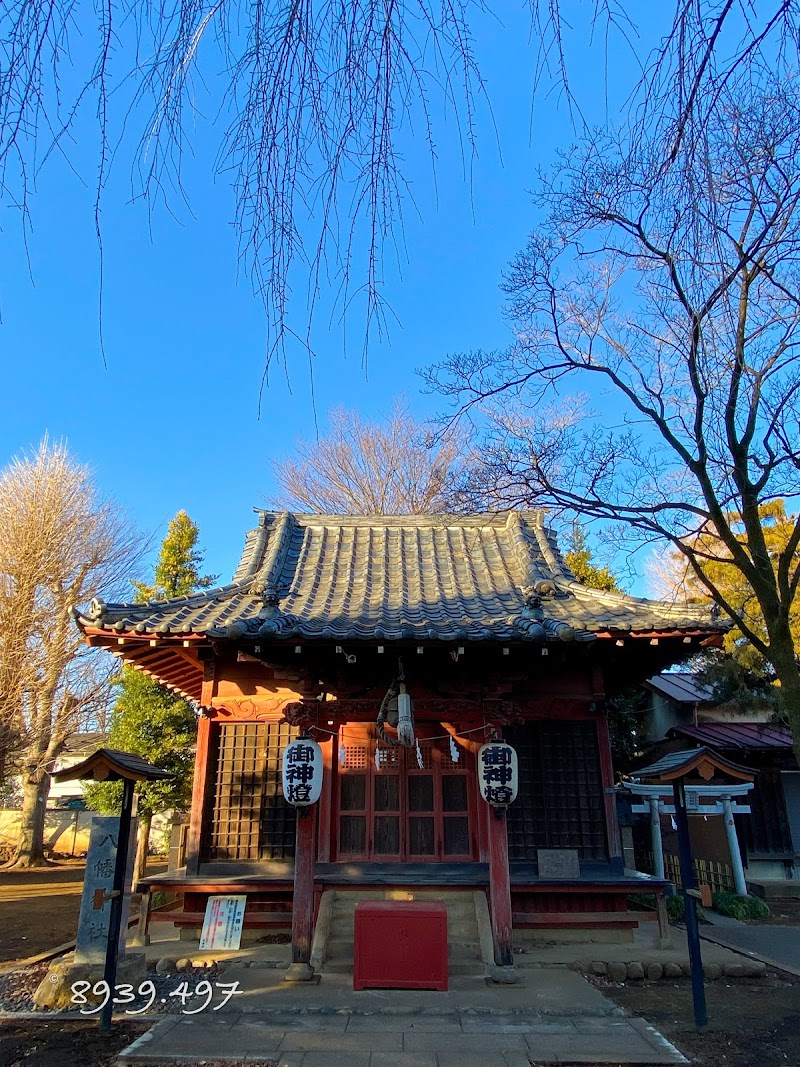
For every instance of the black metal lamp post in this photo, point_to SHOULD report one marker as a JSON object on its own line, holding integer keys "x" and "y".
{"x": 110, "y": 765}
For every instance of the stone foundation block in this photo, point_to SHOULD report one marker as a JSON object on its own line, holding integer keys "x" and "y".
{"x": 617, "y": 972}
{"x": 55, "y": 989}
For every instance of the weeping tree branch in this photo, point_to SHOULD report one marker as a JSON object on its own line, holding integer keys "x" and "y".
{"x": 314, "y": 101}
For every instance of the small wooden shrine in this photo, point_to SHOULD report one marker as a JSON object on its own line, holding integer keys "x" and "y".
{"x": 330, "y": 623}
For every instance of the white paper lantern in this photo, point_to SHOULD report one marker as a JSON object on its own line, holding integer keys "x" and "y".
{"x": 302, "y": 772}
{"x": 498, "y": 773}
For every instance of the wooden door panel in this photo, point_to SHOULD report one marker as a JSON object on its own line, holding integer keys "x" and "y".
{"x": 392, "y": 809}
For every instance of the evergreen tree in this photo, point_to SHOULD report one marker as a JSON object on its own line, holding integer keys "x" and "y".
{"x": 148, "y": 719}
{"x": 579, "y": 560}
{"x": 177, "y": 572}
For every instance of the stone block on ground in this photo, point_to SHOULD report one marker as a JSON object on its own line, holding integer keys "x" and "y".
{"x": 654, "y": 972}
{"x": 754, "y": 969}
{"x": 55, "y": 989}
{"x": 673, "y": 970}
{"x": 635, "y": 971}
{"x": 712, "y": 971}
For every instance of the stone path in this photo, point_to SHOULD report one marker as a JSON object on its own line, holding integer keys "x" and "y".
{"x": 447, "y": 1040}
{"x": 548, "y": 1016}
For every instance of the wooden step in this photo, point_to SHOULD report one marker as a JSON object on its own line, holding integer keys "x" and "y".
{"x": 197, "y": 918}
{"x": 574, "y": 920}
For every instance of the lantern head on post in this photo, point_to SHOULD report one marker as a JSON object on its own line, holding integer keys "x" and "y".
{"x": 498, "y": 773}
{"x": 302, "y": 772}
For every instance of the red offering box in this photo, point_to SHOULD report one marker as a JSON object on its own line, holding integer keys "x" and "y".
{"x": 400, "y": 945}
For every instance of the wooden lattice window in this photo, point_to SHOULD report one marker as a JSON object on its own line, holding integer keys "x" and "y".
{"x": 249, "y": 819}
{"x": 278, "y": 819}
{"x": 560, "y": 801}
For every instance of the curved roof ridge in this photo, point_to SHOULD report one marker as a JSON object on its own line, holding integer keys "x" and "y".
{"x": 472, "y": 518}
{"x": 608, "y": 597}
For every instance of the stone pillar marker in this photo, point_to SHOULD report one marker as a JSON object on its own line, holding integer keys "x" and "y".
{"x": 105, "y": 903}
{"x": 93, "y": 923}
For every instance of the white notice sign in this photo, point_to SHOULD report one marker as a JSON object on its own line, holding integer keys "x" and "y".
{"x": 223, "y": 923}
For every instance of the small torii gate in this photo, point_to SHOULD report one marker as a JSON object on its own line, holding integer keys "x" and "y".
{"x": 700, "y": 800}
{"x": 673, "y": 770}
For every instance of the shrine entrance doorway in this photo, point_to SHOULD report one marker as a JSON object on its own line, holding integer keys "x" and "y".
{"x": 391, "y": 809}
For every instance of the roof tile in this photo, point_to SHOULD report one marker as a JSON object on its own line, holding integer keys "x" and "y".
{"x": 477, "y": 577}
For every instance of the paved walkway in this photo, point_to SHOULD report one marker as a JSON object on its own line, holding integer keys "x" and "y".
{"x": 447, "y": 1040}
{"x": 775, "y": 945}
{"x": 552, "y": 1016}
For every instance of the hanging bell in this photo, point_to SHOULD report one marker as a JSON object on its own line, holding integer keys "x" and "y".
{"x": 405, "y": 719}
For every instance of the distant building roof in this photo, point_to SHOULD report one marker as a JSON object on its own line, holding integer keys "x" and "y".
{"x": 737, "y": 735}
{"x": 681, "y": 687}
{"x": 82, "y": 744}
{"x": 434, "y": 577}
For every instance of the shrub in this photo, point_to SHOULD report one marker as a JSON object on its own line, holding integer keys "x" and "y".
{"x": 675, "y": 908}
{"x": 737, "y": 907}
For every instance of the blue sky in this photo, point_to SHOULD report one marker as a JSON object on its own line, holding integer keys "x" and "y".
{"x": 172, "y": 420}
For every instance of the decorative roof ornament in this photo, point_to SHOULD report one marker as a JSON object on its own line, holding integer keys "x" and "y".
{"x": 533, "y": 605}
{"x": 97, "y": 608}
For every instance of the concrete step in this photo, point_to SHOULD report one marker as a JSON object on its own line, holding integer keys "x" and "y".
{"x": 339, "y": 966}
{"x": 463, "y": 949}
{"x": 464, "y": 968}
{"x": 454, "y": 907}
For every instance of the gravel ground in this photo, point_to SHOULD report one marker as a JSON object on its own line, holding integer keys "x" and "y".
{"x": 17, "y": 989}
{"x": 59, "y": 1043}
{"x": 751, "y": 1022}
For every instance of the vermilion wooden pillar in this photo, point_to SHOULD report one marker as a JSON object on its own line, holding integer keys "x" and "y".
{"x": 303, "y": 900}
{"x": 609, "y": 793}
{"x": 201, "y": 770}
{"x": 325, "y": 802}
{"x": 500, "y": 889}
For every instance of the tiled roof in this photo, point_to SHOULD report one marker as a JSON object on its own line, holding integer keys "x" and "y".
{"x": 451, "y": 578}
{"x": 743, "y": 735}
{"x": 681, "y": 688}
{"x": 115, "y": 766}
{"x": 676, "y": 764}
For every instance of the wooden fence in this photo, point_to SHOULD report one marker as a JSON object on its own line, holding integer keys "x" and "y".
{"x": 718, "y": 876}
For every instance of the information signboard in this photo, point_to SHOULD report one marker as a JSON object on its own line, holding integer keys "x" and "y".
{"x": 222, "y": 927}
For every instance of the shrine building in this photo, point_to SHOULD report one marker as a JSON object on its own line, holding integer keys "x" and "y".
{"x": 327, "y": 624}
